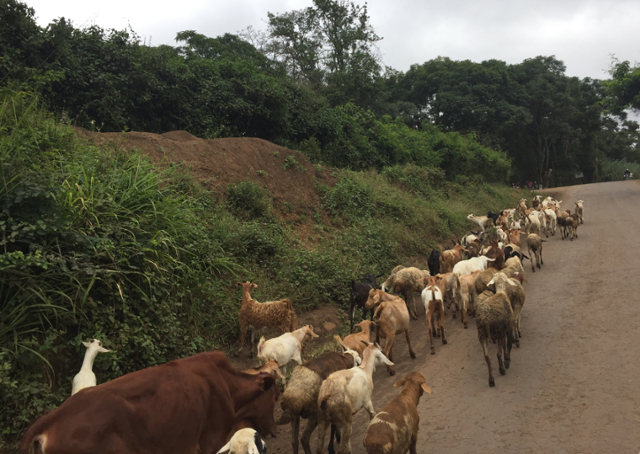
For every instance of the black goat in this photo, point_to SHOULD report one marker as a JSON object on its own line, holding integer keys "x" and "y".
{"x": 434, "y": 262}
{"x": 359, "y": 295}
{"x": 494, "y": 216}
{"x": 510, "y": 252}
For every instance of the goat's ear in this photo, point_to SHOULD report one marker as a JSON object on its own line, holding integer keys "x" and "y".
{"x": 240, "y": 283}
{"x": 400, "y": 382}
{"x": 490, "y": 282}
{"x": 86, "y": 344}
{"x": 511, "y": 282}
{"x": 366, "y": 343}
{"x": 425, "y": 388}
{"x": 225, "y": 449}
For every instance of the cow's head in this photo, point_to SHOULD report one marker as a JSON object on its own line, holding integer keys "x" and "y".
{"x": 258, "y": 414}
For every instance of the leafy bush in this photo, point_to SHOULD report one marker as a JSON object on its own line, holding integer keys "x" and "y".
{"x": 247, "y": 200}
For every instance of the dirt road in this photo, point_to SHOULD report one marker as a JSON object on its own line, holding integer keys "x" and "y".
{"x": 573, "y": 384}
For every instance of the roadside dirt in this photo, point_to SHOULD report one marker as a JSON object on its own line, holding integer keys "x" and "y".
{"x": 573, "y": 384}
{"x": 288, "y": 175}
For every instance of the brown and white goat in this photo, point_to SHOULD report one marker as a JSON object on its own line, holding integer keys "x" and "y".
{"x": 355, "y": 341}
{"x": 394, "y": 430}
{"x": 433, "y": 300}
{"x": 344, "y": 393}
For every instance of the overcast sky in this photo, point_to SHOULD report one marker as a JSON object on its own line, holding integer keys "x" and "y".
{"x": 583, "y": 34}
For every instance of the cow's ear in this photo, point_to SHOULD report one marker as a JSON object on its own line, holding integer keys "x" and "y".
{"x": 267, "y": 383}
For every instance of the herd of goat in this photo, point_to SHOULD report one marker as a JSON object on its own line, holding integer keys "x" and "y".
{"x": 481, "y": 275}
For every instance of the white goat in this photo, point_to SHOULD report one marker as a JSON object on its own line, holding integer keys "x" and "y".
{"x": 483, "y": 221}
{"x": 245, "y": 441}
{"x": 285, "y": 348}
{"x": 86, "y": 378}
{"x": 473, "y": 264}
{"x": 552, "y": 221}
{"x": 344, "y": 393}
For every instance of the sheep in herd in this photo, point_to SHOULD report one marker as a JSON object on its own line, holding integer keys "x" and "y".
{"x": 450, "y": 257}
{"x": 394, "y": 430}
{"x": 512, "y": 266}
{"x": 406, "y": 282}
{"x": 245, "y": 441}
{"x": 534, "y": 243}
{"x": 359, "y": 295}
{"x": 494, "y": 319}
{"x": 483, "y": 221}
{"x": 355, "y": 341}
{"x": 580, "y": 210}
{"x": 273, "y": 314}
{"x": 270, "y": 367}
{"x": 86, "y": 378}
{"x": 285, "y": 348}
{"x": 391, "y": 318}
{"x": 471, "y": 265}
{"x": 344, "y": 393}
{"x": 433, "y": 300}
{"x": 300, "y": 399}
{"x": 482, "y": 279}
{"x": 433, "y": 262}
{"x": 465, "y": 291}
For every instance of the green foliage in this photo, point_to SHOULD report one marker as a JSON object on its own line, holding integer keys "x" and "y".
{"x": 247, "y": 200}
{"x": 613, "y": 170}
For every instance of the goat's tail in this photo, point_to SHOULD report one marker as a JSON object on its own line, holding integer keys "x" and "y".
{"x": 260, "y": 345}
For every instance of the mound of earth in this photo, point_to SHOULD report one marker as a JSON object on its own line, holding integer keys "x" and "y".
{"x": 288, "y": 175}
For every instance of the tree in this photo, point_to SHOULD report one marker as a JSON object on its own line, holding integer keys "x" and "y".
{"x": 623, "y": 89}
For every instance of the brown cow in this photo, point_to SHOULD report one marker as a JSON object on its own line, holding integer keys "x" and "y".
{"x": 185, "y": 406}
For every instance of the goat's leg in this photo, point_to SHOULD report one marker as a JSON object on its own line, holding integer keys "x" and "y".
{"x": 322, "y": 431}
{"x": 352, "y": 313}
{"x": 463, "y": 312}
{"x": 345, "y": 435}
{"x": 334, "y": 435}
{"x": 253, "y": 341}
{"x": 243, "y": 333}
{"x": 501, "y": 350}
{"x": 411, "y": 352}
{"x": 507, "y": 352}
{"x": 441, "y": 324}
{"x": 429, "y": 324}
{"x": 411, "y": 305}
{"x": 414, "y": 443}
{"x": 485, "y": 349}
{"x": 295, "y": 428}
{"x": 387, "y": 351}
{"x": 312, "y": 423}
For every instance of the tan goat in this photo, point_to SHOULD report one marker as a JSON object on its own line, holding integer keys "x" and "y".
{"x": 270, "y": 367}
{"x": 433, "y": 300}
{"x": 391, "y": 318}
{"x": 394, "y": 430}
{"x": 355, "y": 341}
{"x": 278, "y": 315}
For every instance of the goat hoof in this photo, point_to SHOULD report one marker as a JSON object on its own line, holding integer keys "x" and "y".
{"x": 502, "y": 371}
{"x": 444, "y": 342}
{"x": 392, "y": 372}
{"x": 492, "y": 383}
{"x": 433, "y": 352}
{"x": 507, "y": 364}
{"x": 466, "y": 326}
{"x": 413, "y": 355}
